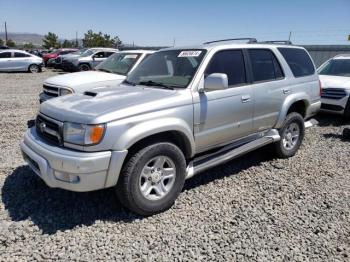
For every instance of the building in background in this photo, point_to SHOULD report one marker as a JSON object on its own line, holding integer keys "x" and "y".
{"x": 321, "y": 53}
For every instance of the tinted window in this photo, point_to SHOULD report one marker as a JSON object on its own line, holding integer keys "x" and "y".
{"x": 336, "y": 67}
{"x": 21, "y": 55}
{"x": 5, "y": 55}
{"x": 298, "y": 61}
{"x": 107, "y": 54}
{"x": 264, "y": 65}
{"x": 231, "y": 63}
{"x": 99, "y": 55}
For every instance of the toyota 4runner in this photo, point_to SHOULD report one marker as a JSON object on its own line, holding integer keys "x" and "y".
{"x": 180, "y": 112}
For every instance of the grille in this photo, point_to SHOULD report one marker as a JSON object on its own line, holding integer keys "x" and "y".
{"x": 51, "y": 90}
{"x": 333, "y": 93}
{"x": 331, "y": 107}
{"x": 49, "y": 130}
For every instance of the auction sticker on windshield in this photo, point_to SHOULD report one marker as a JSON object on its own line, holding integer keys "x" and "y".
{"x": 190, "y": 53}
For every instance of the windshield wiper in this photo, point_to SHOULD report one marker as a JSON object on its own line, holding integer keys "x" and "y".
{"x": 155, "y": 84}
{"x": 129, "y": 83}
{"x": 104, "y": 70}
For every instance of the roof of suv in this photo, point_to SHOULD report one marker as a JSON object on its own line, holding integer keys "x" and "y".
{"x": 138, "y": 51}
{"x": 226, "y": 44}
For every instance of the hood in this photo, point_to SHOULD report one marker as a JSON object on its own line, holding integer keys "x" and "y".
{"x": 328, "y": 81}
{"x": 82, "y": 78}
{"x": 111, "y": 104}
{"x": 69, "y": 56}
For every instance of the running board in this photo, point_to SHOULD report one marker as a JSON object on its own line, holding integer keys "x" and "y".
{"x": 268, "y": 138}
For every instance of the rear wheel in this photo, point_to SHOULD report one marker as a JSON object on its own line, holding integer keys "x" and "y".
{"x": 152, "y": 178}
{"x": 84, "y": 67}
{"x": 34, "y": 68}
{"x": 292, "y": 134}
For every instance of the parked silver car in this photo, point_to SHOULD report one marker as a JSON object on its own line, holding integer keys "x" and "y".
{"x": 89, "y": 59}
{"x": 12, "y": 60}
{"x": 180, "y": 112}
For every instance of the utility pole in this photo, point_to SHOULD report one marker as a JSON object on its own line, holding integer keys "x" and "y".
{"x": 5, "y": 34}
{"x": 76, "y": 39}
{"x": 174, "y": 42}
{"x": 290, "y": 35}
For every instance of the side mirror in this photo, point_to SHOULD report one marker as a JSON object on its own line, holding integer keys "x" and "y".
{"x": 93, "y": 57}
{"x": 216, "y": 81}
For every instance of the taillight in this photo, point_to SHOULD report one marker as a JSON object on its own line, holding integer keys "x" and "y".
{"x": 319, "y": 82}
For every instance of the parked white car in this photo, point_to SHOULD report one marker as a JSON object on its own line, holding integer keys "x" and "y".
{"x": 335, "y": 80}
{"x": 111, "y": 72}
{"x": 12, "y": 60}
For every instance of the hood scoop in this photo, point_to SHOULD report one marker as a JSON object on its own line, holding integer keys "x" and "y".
{"x": 89, "y": 93}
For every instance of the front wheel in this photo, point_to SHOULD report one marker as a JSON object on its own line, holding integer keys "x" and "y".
{"x": 34, "y": 68}
{"x": 152, "y": 178}
{"x": 84, "y": 67}
{"x": 292, "y": 134}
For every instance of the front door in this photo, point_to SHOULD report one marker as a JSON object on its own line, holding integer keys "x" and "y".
{"x": 222, "y": 116}
{"x": 5, "y": 61}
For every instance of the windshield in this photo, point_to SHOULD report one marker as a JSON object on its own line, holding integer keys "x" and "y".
{"x": 87, "y": 53}
{"x": 119, "y": 63}
{"x": 336, "y": 67}
{"x": 173, "y": 68}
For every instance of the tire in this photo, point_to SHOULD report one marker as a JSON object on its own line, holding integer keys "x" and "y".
{"x": 347, "y": 110}
{"x": 133, "y": 186}
{"x": 346, "y": 133}
{"x": 34, "y": 68}
{"x": 84, "y": 67}
{"x": 292, "y": 134}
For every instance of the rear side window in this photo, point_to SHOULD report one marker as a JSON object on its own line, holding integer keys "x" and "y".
{"x": 21, "y": 55}
{"x": 298, "y": 60}
{"x": 264, "y": 65}
{"x": 5, "y": 55}
{"x": 231, "y": 63}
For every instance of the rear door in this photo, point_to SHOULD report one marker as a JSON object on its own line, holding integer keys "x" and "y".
{"x": 98, "y": 58}
{"x": 21, "y": 61}
{"x": 269, "y": 87}
{"x": 5, "y": 61}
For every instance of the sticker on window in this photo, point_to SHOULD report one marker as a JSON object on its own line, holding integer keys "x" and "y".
{"x": 190, "y": 53}
{"x": 130, "y": 56}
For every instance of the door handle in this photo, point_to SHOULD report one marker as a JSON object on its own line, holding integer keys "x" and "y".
{"x": 245, "y": 98}
{"x": 286, "y": 91}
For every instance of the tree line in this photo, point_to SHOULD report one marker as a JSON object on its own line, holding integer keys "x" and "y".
{"x": 91, "y": 39}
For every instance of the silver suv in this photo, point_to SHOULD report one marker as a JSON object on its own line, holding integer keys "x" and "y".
{"x": 180, "y": 112}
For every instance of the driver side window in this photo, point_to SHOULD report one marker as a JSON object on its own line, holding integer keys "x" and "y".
{"x": 231, "y": 63}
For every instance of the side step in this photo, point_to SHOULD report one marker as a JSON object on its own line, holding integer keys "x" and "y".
{"x": 268, "y": 138}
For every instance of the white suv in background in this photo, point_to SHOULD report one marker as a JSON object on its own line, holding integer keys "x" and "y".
{"x": 335, "y": 80}
{"x": 111, "y": 72}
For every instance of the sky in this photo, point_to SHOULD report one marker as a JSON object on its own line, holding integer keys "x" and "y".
{"x": 161, "y": 23}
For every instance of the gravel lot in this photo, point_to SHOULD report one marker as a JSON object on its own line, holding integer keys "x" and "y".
{"x": 253, "y": 208}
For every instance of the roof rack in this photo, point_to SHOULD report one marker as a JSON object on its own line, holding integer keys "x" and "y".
{"x": 284, "y": 42}
{"x": 250, "y": 40}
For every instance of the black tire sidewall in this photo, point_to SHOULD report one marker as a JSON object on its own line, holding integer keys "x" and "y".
{"x": 81, "y": 66}
{"x": 299, "y": 120}
{"x": 347, "y": 110}
{"x": 132, "y": 172}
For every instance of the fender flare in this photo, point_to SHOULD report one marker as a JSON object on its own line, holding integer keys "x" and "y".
{"x": 288, "y": 102}
{"x": 156, "y": 126}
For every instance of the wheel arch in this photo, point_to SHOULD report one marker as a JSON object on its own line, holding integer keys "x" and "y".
{"x": 295, "y": 103}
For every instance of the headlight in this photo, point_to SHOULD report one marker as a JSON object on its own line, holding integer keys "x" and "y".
{"x": 64, "y": 91}
{"x": 82, "y": 134}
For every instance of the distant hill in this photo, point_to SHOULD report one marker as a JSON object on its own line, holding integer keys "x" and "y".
{"x": 23, "y": 38}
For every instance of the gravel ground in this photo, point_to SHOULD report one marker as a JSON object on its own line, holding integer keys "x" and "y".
{"x": 253, "y": 208}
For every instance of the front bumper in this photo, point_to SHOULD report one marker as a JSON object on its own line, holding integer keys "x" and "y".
{"x": 95, "y": 170}
{"x": 334, "y": 105}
